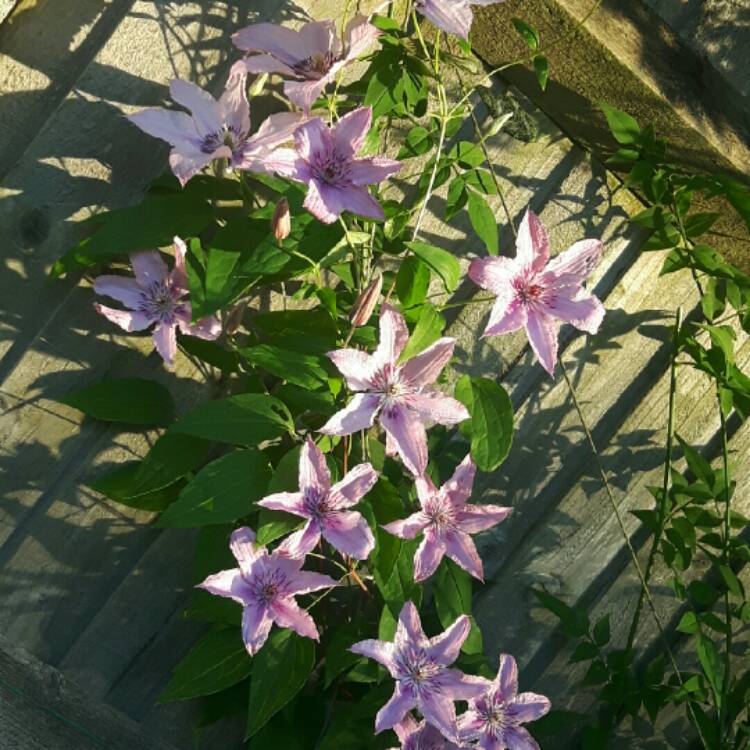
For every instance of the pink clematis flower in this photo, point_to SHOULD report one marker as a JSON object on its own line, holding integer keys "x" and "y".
{"x": 215, "y": 129}
{"x": 495, "y": 718}
{"x": 155, "y": 295}
{"x": 401, "y": 394}
{"x": 324, "y": 507}
{"x": 447, "y": 520}
{"x": 324, "y": 158}
{"x": 451, "y": 16}
{"x": 536, "y": 293}
{"x": 265, "y": 585}
{"x": 420, "y": 736}
{"x": 420, "y": 666}
{"x": 312, "y": 56}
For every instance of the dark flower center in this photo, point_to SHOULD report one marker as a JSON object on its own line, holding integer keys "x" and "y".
{"x": 315, "y": 66}
{"x": 441, "y": 514}
{"x": 227, "y": 136}
{"x": 331, "y": 168}
{"x": 316, "y": 503}
{"x": 494, "y": 716}
{"x": 529, "y": 292}
{"x": 417, "y": 671}
{"x": 267, "y": 586}
{"x": 161, "y": 301}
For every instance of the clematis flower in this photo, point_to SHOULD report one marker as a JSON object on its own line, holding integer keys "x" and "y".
{"x": 155, "y": 295}
{"x": 451, "y": 16}
{"x": 324, "y": 158}
{"x": 447, "y": 520}
{"x": 495, "y": 718}
{"x": 400, "y": 395}
{"x": 312, "y": 56}
{"x": 420, "y": 736}
{"x": 420, "y": 666}
{"x": 325, "y": 507}
{"x": 215, "y": 129}
{"x": 265, "y": 585}
{"x": 536, "y": 293}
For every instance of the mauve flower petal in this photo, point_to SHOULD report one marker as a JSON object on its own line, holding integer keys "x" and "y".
{"x": 578, "y": 261}
{"x": 469, "y": 725}
{"x": 283, "y": 161}
{"x": 407, "y": 726}
{"x": 424, "y": 368}
{"x": 312, "y": 137}
{"x": 229, "y": 584}
{"x": 357, "y": 200}
{"x": 165, "y": 341}
{"x": 460, "y": 485}
{"x": 381, "y": 651}
{"x": 532, "y": 243}
{"x": 277, "y": 129}
{"x": 203, "y": 107}
{"x": 401, "y": 701}
{"x": 233, "y": 105}
{"x": 508, "y": 314}
{"x": 242, "y": 545}
{"x": 280, "y": 41}
{"x": 494, "y": 273}
{"x": 176, "y": 128}
{"x": 301, "y": 542}
{"x": 408, "y": 528}
{"x": 313, "y": 470}
{"x": 438, "y": 709}
{"x": 349, "y": 533}
{"x": 149, "y": 267}
{"x": 122, "y": 288}
{"x": 393, "y": 336}
{"x": 464, "y": 687}
{"x": 256, "y": 64}
{"x": 187, "y": 163}
{"x": 528, "y": 707}
{"x": 451, "y": 16}
{"x": 584, "y": 311}
{"x": 409, "y": 627}
{"x": 506, "y": 681}
{"x": 433, "y": 406}
{"x": 288, "y": 502}
{"x": 256, "y": 625}
{"x": 517, "y": 738}
{"x": 446, "y": 647}
{"x": 409, "y": 435}
{"x": 460, "y": 547}
{"x": 359, "y": 35}
{"x": 207, "y": 328}
{"x": 372, "y": 170}
{"x": 128, "y": 321}
{"x": 305, "y": 93}
{"x": 355, "y": 366}
{"x": 358, "y": 414}
{"x": 179, "y": 273}
{"x": 306, "y": 581}
{"x": 287, "y": 614}
{"x": 428, "y": 555}
{"x": 324, "y": 202}
{"x": 426, "y": 489}
{"x": 542, "y": 332}
{"x": 353, "y": 487}
{"x": 350, "y": 131}
{"x": 476, "y": 518}
{"x": 319, "y": 37}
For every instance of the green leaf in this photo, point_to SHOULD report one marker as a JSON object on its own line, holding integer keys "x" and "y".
{"x": 584, "y": 651}
{"x": 273, "y": 524}
{"x": 245, "y": 419}
{"x": 483, "y": 220}
{"x": 698, "y": 465}
{"x": 129, "y": 400}
{"x": 624, "y": 128}
{"x": 574, "y": 621}
{"x": 412, "y": 283}
{"x": 211, "y": 353}
{"x": 457, "y": 197}
{"x": 280, "y": 671}
{"x": 527, "y": 32}
{"x": 733, "y": 584}
{"x": 541, "y": 68}
{"x": 491, "y": 423}
{"x": 699, "y": 223}
{"x": 452, "y": 590}
{"x": 418, "y": 141}
{"x": 117, "y": 485}
{"x": 338, "y": 656}
{"x": 601, "y": 631}
{"x": 152, "y": 223}
{"x": 304, "y": 370}
{"x": 222, "y": 492}
{"x": 217, "y": 662}
{"x": 712, "y": 666}
{"x": 469, "y": 155}
{"x": 429, "y": 328}
{"x": 440, "y": 261}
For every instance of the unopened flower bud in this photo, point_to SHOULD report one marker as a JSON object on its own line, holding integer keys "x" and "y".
{"x": 365, "y": 303}
{"x": 282, "y": 221}
{"x": 234, "y": 319}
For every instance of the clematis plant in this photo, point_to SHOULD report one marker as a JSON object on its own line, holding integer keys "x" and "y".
{"x": 324, "y": 159}
{"x": 420, "y": 667}
{"x": 156, "y": 296}
{"x": 325, "y": 507}
{"x": 451, "y": 16}
{"x": 415, "y": 735}
{"x": 265, "y": 585}
{"x": 215, "y": 129}
{"x": 399, "y": 394}
{"x": 447, "y": 520}
{"x": 538, "y": 294}
{"x": 312, "y": 56}
{"x": 494, "y": 720}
